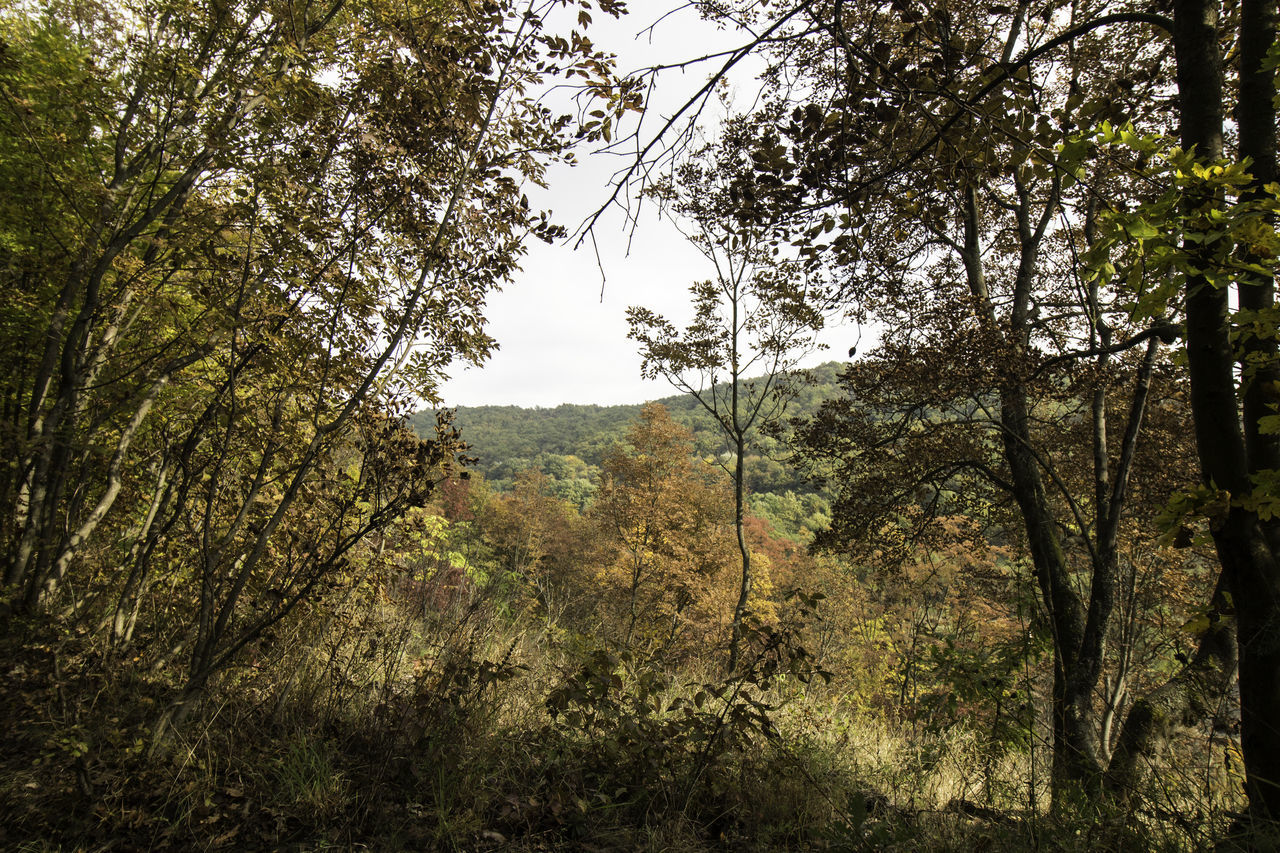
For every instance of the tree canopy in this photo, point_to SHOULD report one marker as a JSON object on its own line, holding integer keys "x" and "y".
{"x": 1020, "y": 549}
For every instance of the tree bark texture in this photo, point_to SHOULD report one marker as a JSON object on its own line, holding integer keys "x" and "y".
{"x": 1230, "y": 447}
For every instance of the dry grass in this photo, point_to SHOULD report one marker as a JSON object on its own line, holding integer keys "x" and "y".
{"x": 439, "y": 737}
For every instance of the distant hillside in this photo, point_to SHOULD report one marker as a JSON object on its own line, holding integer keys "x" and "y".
{"x": 502, "y": 435}
{"x": 568, "y": 442}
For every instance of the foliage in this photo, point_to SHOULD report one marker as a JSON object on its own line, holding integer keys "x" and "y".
{"x": 668, "y": 521}
{"x": 677, "y": 748}
{"x": 759, "y": 313}
{"x": 568, "y": 443}
{"x": 542, "y": 545}
{"x": 247, "y": 608}
{"x": 266, "y": 226}
{"x": 920, "y": 156}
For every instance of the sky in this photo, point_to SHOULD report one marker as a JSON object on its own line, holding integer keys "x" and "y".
{"x": 561, "y": 330}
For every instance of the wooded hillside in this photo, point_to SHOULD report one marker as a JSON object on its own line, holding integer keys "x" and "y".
{"x": 567, "y": 443}
{"x": 1008, "y": 579}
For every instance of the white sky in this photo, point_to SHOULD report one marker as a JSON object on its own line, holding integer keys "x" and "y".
{"x": 559, "y": 341}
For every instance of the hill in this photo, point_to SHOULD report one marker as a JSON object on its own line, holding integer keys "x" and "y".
{"x": 569, "y": 441}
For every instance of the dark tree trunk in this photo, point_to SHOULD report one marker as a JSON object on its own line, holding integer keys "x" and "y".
{"x": 1075, "y": 725}
{"x": 1243, "y": 541}
{"x": 1256, "y": 117}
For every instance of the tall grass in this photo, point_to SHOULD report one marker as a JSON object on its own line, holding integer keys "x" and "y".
{"x": 480, "y": 730}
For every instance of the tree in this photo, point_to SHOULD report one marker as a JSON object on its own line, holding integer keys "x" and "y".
{"x": 919, "y": 150}
{"x": 666, "y": 521}
{"x": 543, "y": 544}
{"x": 1239, "y": 453}
{"x": 972, "y": 101}
{"x": 973, "y": 269}
{"x": 266, "y": 226}
{"x": 757, "y": 317}
{"x": 1209, "y": 234}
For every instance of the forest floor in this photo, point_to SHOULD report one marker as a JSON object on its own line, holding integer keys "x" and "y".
{"x": 489, "y": 749}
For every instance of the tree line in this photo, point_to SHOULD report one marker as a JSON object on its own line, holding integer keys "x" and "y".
{"x": 569, "y": 442}
{"x": 238, "y": 238}
{"x": 243, "y": 237}
{"x": 1033, "y": 201}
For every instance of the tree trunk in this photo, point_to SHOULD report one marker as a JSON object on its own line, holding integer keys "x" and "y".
{"x": 1256, "y": 117}
{"x": 1242, "y": 540}
{"x": 1075, "y": 725}
{"x": 1192, "y": 695}
{"x": 744, "y": 590}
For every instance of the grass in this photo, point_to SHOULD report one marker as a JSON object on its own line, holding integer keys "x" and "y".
{"x": 443, "y": 739}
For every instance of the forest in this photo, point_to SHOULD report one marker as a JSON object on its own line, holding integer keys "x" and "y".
{"x": 1006, "y": 578}
{"x": 568, "y": 443}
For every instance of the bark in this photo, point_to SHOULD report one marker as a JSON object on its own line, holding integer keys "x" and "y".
{"x": 1191, "y": 696}
{"x": 1256, "y": 117}
{"x": 125, "y": 614}
{"x": 1242, "y": 540}
{"x": 744, "y": 590}
{"x": 46, "y": 586}
{"x": 1075, "y": 750}
{"x": 738, "y": 432}
{"x": 1077, "y": 657}
{"x": 1258, "y": 584}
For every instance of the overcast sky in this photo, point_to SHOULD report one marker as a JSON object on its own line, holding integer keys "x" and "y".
{"x": 560, "y": 341}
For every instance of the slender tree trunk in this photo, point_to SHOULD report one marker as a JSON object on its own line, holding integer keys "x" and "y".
{"x": 114, "y": 483}
{"x": 1192, "y": 695}
{"x": 125, "y": 614}
{"x": 1075, "y": 727}
{"x": 1076, "y": 763}
{"x": 739, "y": 478}
{"x": 744, "y": 590}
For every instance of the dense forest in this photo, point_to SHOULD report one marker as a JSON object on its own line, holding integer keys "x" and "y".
{"x": 1007, "y": 579}
{"x": 568, "y": 444}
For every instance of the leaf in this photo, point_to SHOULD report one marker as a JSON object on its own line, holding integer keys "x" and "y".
{"x": 1198, "y": 625}
{"x": 1142, "y": 229}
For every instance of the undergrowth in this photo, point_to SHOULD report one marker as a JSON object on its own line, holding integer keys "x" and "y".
{"x": 474, "y": 734}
